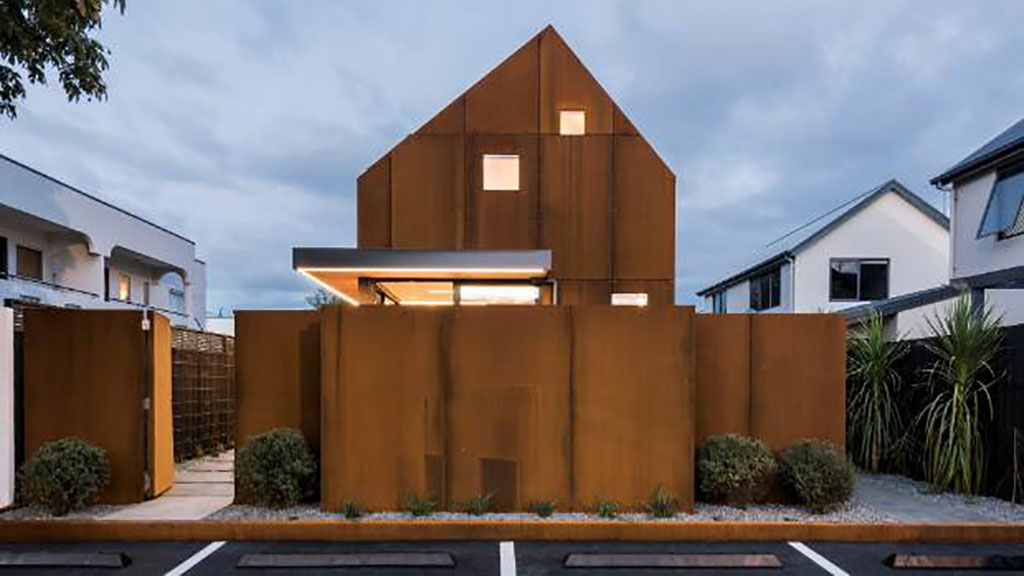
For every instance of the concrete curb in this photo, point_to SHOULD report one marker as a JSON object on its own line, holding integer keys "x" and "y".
{"x": 509, "y": 530}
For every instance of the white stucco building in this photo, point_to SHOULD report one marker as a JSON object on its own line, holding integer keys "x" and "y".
{"x": 987, "y": 241}
{"x": 884, "y": 243}
{"x": 60, "y": 246}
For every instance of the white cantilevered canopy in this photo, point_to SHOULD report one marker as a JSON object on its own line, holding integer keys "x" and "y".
{"x": 426, "y": 277}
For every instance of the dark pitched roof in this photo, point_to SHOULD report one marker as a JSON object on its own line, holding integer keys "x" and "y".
{"x": 796, "y": 240}
{"x": 1009, "y": 142}
{"x": 900, "y": 303}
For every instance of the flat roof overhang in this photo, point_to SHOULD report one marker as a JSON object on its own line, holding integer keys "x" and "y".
{"x": 339, "y": 270}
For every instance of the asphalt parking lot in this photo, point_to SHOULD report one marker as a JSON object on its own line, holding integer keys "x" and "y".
{"x": 504, "y": 559}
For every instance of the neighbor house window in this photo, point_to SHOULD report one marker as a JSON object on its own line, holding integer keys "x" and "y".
{"x": 572, "y": 122}
{"x": 718, "y": 302}
{"x": 858, "y": 279}
{"x": 507, "y": 294}
{"x": 629, "y": 299}
{"x": 501, "y": 172}
{"x": 30, "y": 263}
{"x": 3, "y": 257}
{"x": 176, "y": 299}
{"x": 124, "y": 287}
{"x": 765, "y": 290}
{"x": 1004, "y": 214}
{"x": 145, "y": 293}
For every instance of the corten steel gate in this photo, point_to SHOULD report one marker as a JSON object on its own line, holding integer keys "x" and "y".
{"x": 204, "y": 392}
{"x": 570, "y": 403}
{"x": 103, "y": 376}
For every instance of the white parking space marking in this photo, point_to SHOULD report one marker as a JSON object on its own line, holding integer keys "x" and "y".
{"x": 195, "y": 559}
{"x": 507, "y": 553}
{"x": 818, "y": 559}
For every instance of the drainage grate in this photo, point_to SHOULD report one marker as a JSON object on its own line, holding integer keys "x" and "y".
{"x": 354, "y": 560}
{"x": 940, "y": 562}
{"x": 64, "y": 560}
{"x": 672, "y": 561}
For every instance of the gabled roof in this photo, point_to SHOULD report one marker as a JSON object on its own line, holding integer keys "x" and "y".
{"x": 1009, "y": 142}
{"x": 795, "y": 241}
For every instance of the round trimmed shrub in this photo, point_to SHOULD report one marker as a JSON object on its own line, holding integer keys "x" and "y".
{"x": 276, "y": 469}
{"x": 64, "y": 475}
{"x": 733, "y": 469}
{"x": 817, "y": 474}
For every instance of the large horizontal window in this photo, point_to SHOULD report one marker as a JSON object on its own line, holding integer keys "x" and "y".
{"x": 765, "y": 290}
{"x": 1003, "y": 214}
{"x": 853, "y": 279}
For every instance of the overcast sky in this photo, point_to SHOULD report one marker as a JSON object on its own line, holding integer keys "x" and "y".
{"x": 243, "y": 124}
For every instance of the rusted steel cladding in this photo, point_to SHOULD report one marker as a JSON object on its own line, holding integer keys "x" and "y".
{"x": 505, "y": 100}
{"x": 722, "y": 372}
{"x": 383, "y": 414}
{"x": 427, "y": 188}
{"x": 566, "y": 84}
{"x": 576, "y": 205}
{"x": 797, "y": 378}
{"x": 277, "y": 373}
{"x": 645, "y": 213}
{"x": 508, "y": 405}
{"x": 85, "y": 376}
{"x": 451, "y": 120}
{"x": 374, "y": 205}
{"x": 161, "y": 421}
{"x": 504, "y": 219}
{"x": 633, "y": 410}
{"x": 584, "y": 292}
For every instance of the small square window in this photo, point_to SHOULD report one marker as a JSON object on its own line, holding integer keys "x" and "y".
{"x": 501, "y": 172}
{"x": 572, "y": 123}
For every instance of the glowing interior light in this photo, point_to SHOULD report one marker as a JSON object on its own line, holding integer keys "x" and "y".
{"x": 483, "y": 294}
{"x": 572, "y": 122}
{"x": 501, "y": 172}
{"x": 629, "y": 299}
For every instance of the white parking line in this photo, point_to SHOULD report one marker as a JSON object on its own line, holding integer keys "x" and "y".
{"x": 507, "y": 553}
{"x": 818, "y": 559}
{"x": 195, "y": 559}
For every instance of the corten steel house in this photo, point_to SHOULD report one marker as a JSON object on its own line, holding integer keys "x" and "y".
{"x": 530, "y": 188}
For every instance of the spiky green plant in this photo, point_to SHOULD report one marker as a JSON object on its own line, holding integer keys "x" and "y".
{"x": 965, "y": 344}
{"x": 873, "y": 419}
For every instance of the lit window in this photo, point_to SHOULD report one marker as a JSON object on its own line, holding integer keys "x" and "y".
{"x": 506, "y": 294}
{"x": 572, "y": 123}
{"x": 124, "y": 287}
{"x": 629, "y": 299}
{"x": 1004, "y": 214}
{"x": 501, "y": 172}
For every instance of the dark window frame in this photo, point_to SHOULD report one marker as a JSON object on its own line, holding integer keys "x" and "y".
{"x": 719, "y": 304}
{"x": 860, "y": 261}
{"x": 1001, "y": 174}
{"x": 4, "y": 270}
{"x": 17, "y": 262}
{"x": 759, "y": 303}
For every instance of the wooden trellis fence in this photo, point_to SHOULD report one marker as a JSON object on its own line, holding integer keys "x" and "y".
{"x": 204, "y": 392}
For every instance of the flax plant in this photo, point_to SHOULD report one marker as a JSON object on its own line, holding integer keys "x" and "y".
{"x": 965, "y": 345}
{"x": 872, "y": 387}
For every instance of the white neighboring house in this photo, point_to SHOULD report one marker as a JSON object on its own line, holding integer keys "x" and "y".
{"x": 987, "y": 241}
{"x": 883, "y": 243}
{"x": 60, "y": 246}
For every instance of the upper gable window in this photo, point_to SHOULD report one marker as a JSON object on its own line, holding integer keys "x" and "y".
{"x": 572, "y": 122}
{"x": 501, "y": 172}
{"x": 1004, "y": 214}
{"x": 853, "y": 280}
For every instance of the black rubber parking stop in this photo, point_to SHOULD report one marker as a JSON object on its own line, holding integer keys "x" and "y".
{"x": 759, "y": 561}
{"x": 945, "y": 562}
{"x": 64, "y": 560}
{"x": 352, "y": 560}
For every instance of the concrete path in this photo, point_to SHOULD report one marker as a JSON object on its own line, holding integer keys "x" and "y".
{"x": 908, "y": 501}
{"x": 201, "y": 487}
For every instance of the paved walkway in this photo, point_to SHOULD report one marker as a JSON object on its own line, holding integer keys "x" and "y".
{"x": 907, "y": 501}
{"x": 201, "y": 487}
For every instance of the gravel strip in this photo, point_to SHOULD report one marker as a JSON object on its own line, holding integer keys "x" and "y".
{"x": 995, "y": 509}
{"x": 35, "y": 513}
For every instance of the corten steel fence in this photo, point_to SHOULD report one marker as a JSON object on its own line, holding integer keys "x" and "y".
{"x": 203, "y": 392}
